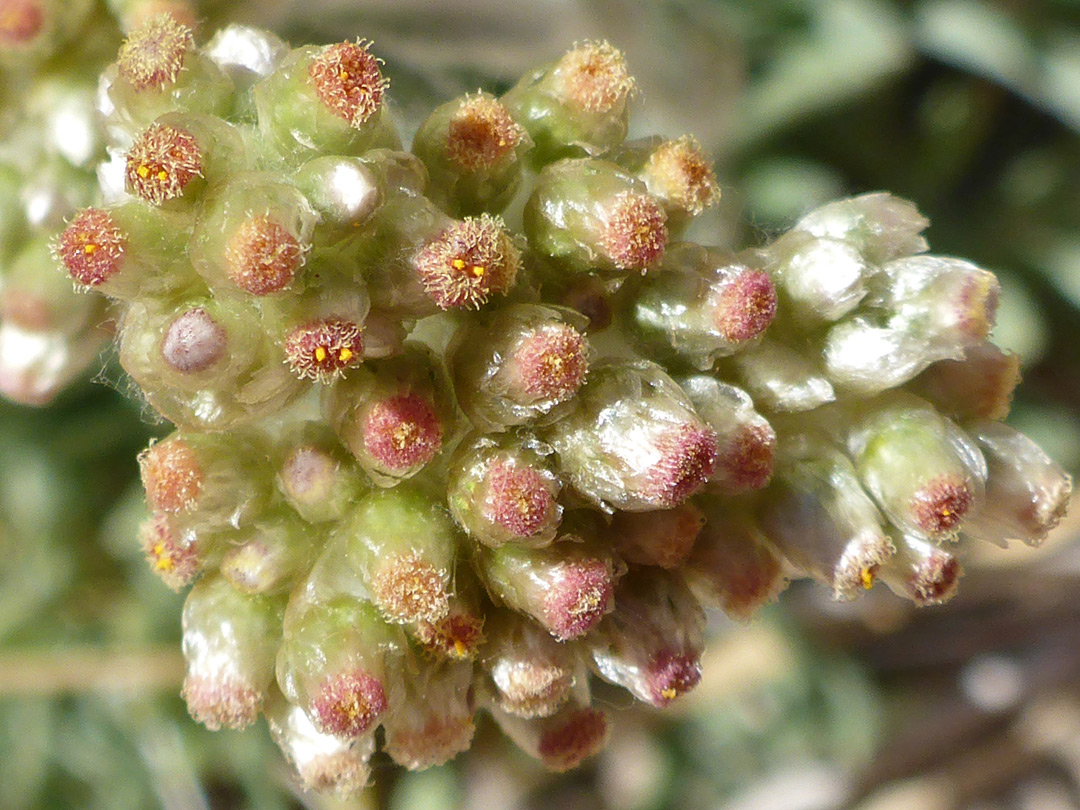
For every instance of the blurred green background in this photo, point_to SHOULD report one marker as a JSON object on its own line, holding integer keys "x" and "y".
{"x": 971, "y": 109}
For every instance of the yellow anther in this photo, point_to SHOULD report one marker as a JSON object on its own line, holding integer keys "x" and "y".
{"x": 162, "y": 563}
{"x": 867, "y": 577}
{"x": 345, "y": 355}
{"x": 90, "y": 249}
{"x": 478, "y": 270}
{"x": 162, "y": 175}
{"x": 343, "y": 75}
{"x": 460, "y": 649}
{"x": 458, "y": 264}
{"x": 320, "y": 354}
{"x": 143, "y": 171}
{"x": 670, "y": 693}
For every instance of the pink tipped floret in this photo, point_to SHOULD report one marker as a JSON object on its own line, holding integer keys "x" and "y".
{"x": 262, "y": 256}
{"x": 349, "y": 704}
{"x": 519, "y": 498}
{"x": 91, "y": 247}
{"x": 161, "y": 162}
{"x": 481, "y": 134}
{"x": 746, "y": 306}
{"x": 171, "y": 475}
{"x": 671, "y": 674}
{"x": 20, "y": 21}
{"x": 154, "y": 54}
{"x": 938, "y": 507}
{"x": 551, "y": 362}
{"x": 573, "y": 738}
{"x": 347, "y": 79}
{"x": 402, "y": 432}
{"x": 322, "y": 350}
{"x": 468, "y": 263}
{"x": 579, "y": 597}
{"x": 634, "y": 234}
{"x": 688, "y": 454}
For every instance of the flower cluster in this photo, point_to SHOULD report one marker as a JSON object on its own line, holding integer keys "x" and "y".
{"x": 51, "y": 141}
{"x": 459, "y": 426}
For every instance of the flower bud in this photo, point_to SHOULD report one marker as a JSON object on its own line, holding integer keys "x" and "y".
{"x": 732, "y": 566}
{"x": 253, "y": 235}
{"x": 206, "y": 364}
{"x": 980, "y": 386}
{"x": 781, "y": 379}
{"x": 704, "y": 305}
{"x": 323, "y": 762}
{"x": 932, "y": 307}
{"x": 318, "y": 478}
{"x": 817, "y": 514}
{"x": 589, "y": 216}
{"x": 501, "y": 490}
{"x": 159, "y": 70}
{"x": 921, "y": 571}
{"x": 880, "y": 226}
{"x": 397, "y": 549}
{"x": 230, "y": 640}
{"x": 575, "y": 106}
{"x": 745, "y": 440}
{"x": 820, "y": 279}
{"x": 269, "y": 555}
{"x": 340, "y": 662}
{"x": 662, "y": 538}
{"x": 676, "y": 172}
{"x": 633, "y": 441}
{"x": 529, "y": 673}
{"x": 126, "y": 251}
{"x": 519, "y": 366}
{"x": 567, "y": 586}
{"x": 1027, "y": 492}
{"x": 393, "y": 414}
{"x": 433, "y": 722}
{"x": 561, "y": 741}
{"x": 651, "y": 643}
{"x": 325, "y": 100}
{"x": 474, "y": 150}
{"x": 924, "y": 472}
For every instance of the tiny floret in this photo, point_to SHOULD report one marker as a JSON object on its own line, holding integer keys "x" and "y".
{"x": 91, "y": 247}
{"x": 481, "y": 134}
{"x": 595, "y": 77}
{"x": 939, "y": 506}
{"x": 154, "y": 54}
{"x": 746, "y": 307}
{"x": 402, "y": 432}
{"x": 683, "y": 174}
{"x": 347, "y": 79}
{"x": 573, "y": 739}
{"x": 635, "y": 233}
{"x": 262, "y": 257}
{"x": 408, "y": 588}
{"x": 579, "y": 598}
{"x": 172, "y": 556}
{"x": 171, "y": 475}
{"x": 552, "y": 362}
{"x": 519, "y": 498}
{"x": 322, "y": 350}
{"x": 349, "y": 704}
{"x": 161, "y": 162}
{"x": 687, "y": 458}
{"x": 468, "y": 263}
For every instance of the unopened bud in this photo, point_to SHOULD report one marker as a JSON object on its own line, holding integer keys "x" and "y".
{"x": 230, "y": 641}
{"x": 921, "y": 571}
{"x": 567, "y": 586}
{"x": 1027, "y": 492}
{"x": 633, "y": 441}
{"x": 562, "y": 741}
{"x": 433, "y": 722}
{"x": 651, "y": 643}
{"x": 589, "y": 216}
